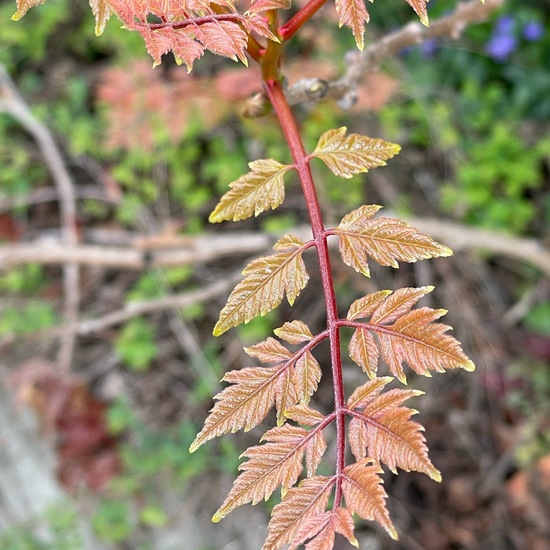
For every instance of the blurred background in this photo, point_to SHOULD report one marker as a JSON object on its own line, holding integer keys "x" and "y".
{"x": 108, "y": 365}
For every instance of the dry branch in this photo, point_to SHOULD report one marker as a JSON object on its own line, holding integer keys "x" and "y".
{"x": 13, "y": 104}
{"x": 359, "y": 64}
{"x": 208, "y": 248}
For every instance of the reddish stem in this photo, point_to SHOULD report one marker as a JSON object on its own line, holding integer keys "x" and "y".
{"x": 295, "y": 23}
{"x": 294, "y": 141}
{"x": 176, "y": 25}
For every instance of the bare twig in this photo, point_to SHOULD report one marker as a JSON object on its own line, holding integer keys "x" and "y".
{"x": 13, "y": 104}
{"x": 207, "y": 248}
{"x": 182, "y": 251}
{"x": 462, "y": 237}
{"x": 359, "y": 64}
{"x": 133, "y": 309}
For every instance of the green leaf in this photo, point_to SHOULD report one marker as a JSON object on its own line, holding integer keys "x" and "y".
{"x": 259, "y": 190}
{"x": 347, "y": 156}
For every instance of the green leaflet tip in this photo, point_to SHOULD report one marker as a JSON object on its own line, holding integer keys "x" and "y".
{"x": 392, "y": 532}
{"x": 16, "y": 16}
{"x": 435, "y": 475}
{"x": 219, "y": 329}
{"x": 194, "y": 446}
{"x": 469, "y": 366}
{"x": 217, "y": 517}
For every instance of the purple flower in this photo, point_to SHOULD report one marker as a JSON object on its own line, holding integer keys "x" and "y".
{"x": 428, "y": 48}
{"x": 505, "y": 25}
{"x": 503, "y": 41}
{"x": 533, "y": 31}
{"x": 501, "y": 46}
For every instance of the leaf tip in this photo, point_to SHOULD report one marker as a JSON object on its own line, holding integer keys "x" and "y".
{"x": 469, "y": 366}
{"x": 217, "y": 517}
{"x": 16, "y": 16}
{"x": 392, "y": 532}
{"x": 435, "y": 474}
{"x": 218, "y": 329}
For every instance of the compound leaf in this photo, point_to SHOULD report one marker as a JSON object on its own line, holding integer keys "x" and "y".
{"x": 299, "y": 507}
{"x": 405, "y": 336}
{"x": 353, "y": 154}
{"x": 422, "y": 344}
{"x": 267, "y": 280}
{"x": 354, "y": 15}
{"x": 186, "y": 28}
{"x": 253, "y": 193}
{"x": 279, "y": 462}
{"x": 243, "y": 405}
{"x": 364, "y": 494}
{"x": 385, "y": 432}
{"x": 385, "y": 240}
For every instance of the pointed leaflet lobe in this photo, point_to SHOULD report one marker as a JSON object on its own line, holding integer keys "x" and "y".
{"x": 102, "y": 13}
{"x": 279, "y": 462}
{"x": 269, "y": 351}
{"x": 364, "y": 307}
{"x": 354, "y": 15}
{"x": 302, "y": 414}
{"x": 23, "y": 6}
{"x": 419, "y": 6}
{"x": 353, "y": 154}
{"x": 322, "y": 528}
{"x": 267, "y": 280}
{"x": 243, "y": 405}
{"x": 422, "y": 344}
{"x": 294, "y": 332}
{"x": 259, "y": 6}
{"x": 253, "y": 193}
{"x": 407, "y": 336}
{"x": 385, "y": 433}
{"x": 300, "y": 505}
{"x": 364, "y": 351}
{"x": 385, "y": 240}
{"x": 364, "y": 494}
{"x": 308, "y": 375}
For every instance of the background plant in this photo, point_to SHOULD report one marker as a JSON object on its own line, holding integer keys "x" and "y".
{"x": 312, "y": 145}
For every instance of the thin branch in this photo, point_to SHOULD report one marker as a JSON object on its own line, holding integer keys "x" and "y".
{"x": 184, "y": 251}
{"x": 208, "y": 248}
{"x": 462, "y": 237}
{"x": 359, "y": 64}
{"x": 13, "y": 104}
{"x": 133, "y": 309}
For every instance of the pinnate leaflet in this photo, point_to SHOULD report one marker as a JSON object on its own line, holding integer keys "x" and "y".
{"x": 385, "y": 326}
